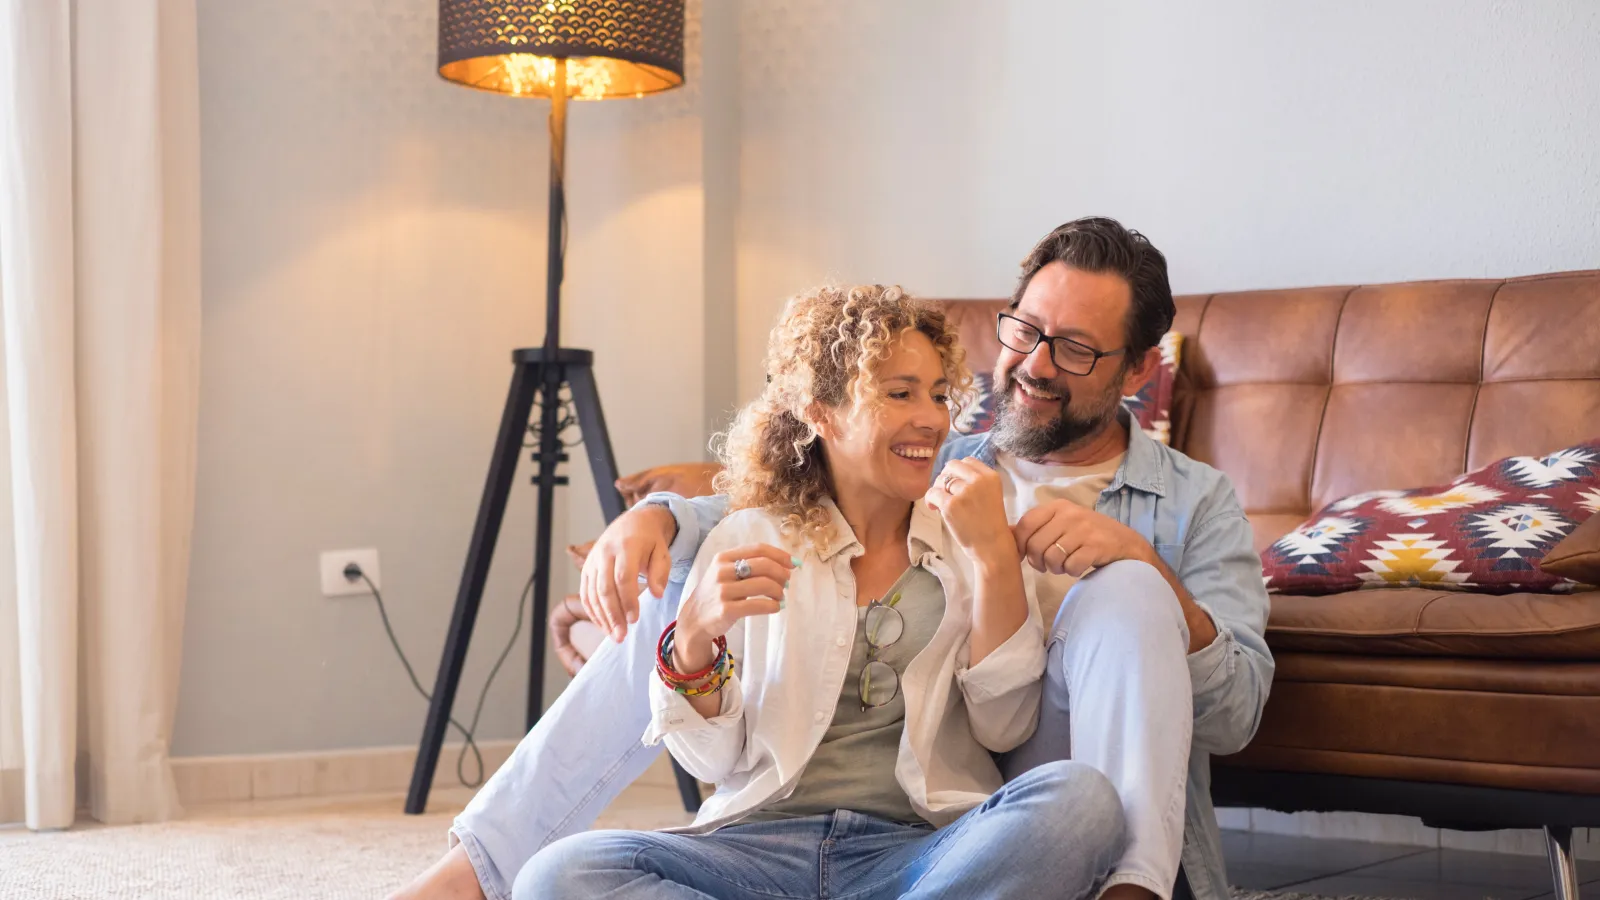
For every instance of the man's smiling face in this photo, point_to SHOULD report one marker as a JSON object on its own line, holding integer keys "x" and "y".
{"x": 1039, "y": 407}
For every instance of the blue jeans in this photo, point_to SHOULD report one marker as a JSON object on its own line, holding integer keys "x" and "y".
{"x": 991, "y": 851}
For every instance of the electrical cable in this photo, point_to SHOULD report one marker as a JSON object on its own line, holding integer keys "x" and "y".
{"x": 352, "y": 572}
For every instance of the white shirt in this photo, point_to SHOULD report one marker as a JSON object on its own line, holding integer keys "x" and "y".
{"x": 1026, "y": 485}
{"x": 791, "y": 667}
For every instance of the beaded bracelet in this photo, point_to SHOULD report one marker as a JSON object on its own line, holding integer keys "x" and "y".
{"x": 715, "y": 675}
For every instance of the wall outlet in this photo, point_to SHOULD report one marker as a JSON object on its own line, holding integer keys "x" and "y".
{"x": 334, "y": 584}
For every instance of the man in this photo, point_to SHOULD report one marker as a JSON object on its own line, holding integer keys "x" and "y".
{"x": 1156, "y": 657}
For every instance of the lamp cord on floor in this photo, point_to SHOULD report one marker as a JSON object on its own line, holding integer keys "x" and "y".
{"x": 352, "y": 572}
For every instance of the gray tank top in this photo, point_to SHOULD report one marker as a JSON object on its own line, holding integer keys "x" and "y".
{"x": 853, "y": 767}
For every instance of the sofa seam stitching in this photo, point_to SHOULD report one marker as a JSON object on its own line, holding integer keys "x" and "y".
{"x": 1327, "y": 397}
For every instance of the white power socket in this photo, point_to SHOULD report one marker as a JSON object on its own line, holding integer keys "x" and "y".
{"x": 334, "y": 584}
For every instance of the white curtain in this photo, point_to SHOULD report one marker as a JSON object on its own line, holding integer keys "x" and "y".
{"x": 100, "y": 288}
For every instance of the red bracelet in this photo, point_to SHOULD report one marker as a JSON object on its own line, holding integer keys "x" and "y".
{"x": 664, "y": 663}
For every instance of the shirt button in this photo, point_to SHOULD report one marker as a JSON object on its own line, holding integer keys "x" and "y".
{"x": 838, "y": 642}
{"x": 819, "y": 716}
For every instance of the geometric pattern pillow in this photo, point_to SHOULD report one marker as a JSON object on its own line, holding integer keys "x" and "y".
{"x": 1486, "y": 531}
{"x": 1151, "y": 407}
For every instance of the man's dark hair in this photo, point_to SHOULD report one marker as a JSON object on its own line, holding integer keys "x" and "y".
{"x": 1099, "y": 244}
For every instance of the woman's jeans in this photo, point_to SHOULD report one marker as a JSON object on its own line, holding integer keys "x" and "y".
{"x": 991, "y": 851}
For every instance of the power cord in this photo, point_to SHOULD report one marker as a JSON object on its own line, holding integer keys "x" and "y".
{"x": 352, "y": 572}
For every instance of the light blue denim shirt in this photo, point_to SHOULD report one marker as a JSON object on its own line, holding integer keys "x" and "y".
{"x": 1188, "y": 511}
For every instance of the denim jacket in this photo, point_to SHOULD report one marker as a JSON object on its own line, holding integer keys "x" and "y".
{"x": 1188, "y": 511}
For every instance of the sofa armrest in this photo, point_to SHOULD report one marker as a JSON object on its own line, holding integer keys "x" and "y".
{"x": 683, "y": 479}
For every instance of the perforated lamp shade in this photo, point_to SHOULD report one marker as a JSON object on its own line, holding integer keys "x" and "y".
{"x": 613, "y": 48}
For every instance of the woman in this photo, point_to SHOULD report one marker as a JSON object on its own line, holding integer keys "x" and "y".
{"x": 851, "y": 647}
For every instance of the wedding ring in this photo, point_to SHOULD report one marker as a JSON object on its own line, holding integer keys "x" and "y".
{"x": 1057, "y": 545}
{"x": 741, "y": 569}
{"x": 948, "y": 479}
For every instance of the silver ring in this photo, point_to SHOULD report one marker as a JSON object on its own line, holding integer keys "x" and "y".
{"x": 948, "y": 479}
{"x": 741, "y": 569}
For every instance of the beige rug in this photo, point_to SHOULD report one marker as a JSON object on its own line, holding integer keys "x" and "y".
{"x": 363, "y": 850}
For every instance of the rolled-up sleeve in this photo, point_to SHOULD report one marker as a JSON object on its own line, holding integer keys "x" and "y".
{"x": 1233, "y": 674}
{"x": 707, "y": 748}
{"x": 696, "y": 517}
{"x": 1002, "y": 691}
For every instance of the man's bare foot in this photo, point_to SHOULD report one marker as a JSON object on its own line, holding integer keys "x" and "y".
{"x": 451, "y": 878}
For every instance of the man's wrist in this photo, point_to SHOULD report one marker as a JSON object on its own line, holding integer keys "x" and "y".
{"x": 670, "y": 523}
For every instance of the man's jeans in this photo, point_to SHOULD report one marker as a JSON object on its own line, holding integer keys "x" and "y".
{"x": 991, "y": 851}
{"x": 1118, "y": 648}
{"x": 1117, "y": 696}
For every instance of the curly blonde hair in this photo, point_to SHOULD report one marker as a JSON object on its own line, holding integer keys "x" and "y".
{"x": 824, "y": 352}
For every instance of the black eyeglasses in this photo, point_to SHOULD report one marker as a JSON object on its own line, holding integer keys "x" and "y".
{"x": 1068, "y": 355}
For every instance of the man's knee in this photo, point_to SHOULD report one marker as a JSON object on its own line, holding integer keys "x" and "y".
{"x": 1127, "y": 598}
{"x": 557, "y": 870}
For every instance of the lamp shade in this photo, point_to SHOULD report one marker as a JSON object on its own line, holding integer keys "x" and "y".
{"x": 613, "y": 48}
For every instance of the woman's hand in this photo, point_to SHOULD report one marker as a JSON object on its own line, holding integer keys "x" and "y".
{"x": 722, "y": 598}
{"x": 967, "y": 493}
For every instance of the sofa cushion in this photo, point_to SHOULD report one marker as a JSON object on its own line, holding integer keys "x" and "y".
{"x": 1485, "y": 531}
{"x": 1421, "y": 622}
{"x": 1578, "y": 555}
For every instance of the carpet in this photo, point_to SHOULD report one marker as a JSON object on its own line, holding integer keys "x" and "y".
{"x": 346, "y": 855}
{"x": 323, "y": 856}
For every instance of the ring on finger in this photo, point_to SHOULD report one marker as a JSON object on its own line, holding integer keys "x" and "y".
{"x": 1057, "y": 545}
{"x": 741, "y": 569}
{"x": 948, "y": 481}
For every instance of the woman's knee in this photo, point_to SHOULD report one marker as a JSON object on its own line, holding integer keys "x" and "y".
{"x": 1083, "y": 807}
{"x": 557, "y": 871}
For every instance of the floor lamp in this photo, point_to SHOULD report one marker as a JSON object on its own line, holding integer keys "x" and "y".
{"x": 560, "y": 49}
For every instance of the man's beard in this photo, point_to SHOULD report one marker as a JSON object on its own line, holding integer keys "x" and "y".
{"x": 1016, "y": 430}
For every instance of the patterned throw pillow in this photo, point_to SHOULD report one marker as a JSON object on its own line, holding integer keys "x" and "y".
{"x": 1151, "y": 407}
{"x": 1486, "y": 531}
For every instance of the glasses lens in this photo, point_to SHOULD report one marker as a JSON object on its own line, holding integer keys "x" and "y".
{"x": 1073, "y": 357}
{"x": 884, "y": 625}
{"x": 1018, "y": 335}
{"x": 879, "y": 684}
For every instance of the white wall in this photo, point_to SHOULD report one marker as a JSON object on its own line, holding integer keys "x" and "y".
{"x": 374, "y": 249}
{"x": 1259, "y": 144}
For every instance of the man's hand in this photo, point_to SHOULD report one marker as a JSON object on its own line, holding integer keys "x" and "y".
{"x": 683, "y": 479}
{"x": 637, "y": 543}
{"x": 1063, "y": 538}
{"x": 967, "y": 494}
{"x": 451, "y": 878}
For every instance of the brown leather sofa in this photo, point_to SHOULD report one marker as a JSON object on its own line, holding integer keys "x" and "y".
{"x": 1470, "y": 711}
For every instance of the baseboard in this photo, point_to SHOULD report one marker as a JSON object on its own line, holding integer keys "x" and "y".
{"x": 367, "y": 770}
{"x": 323, "y": 773}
